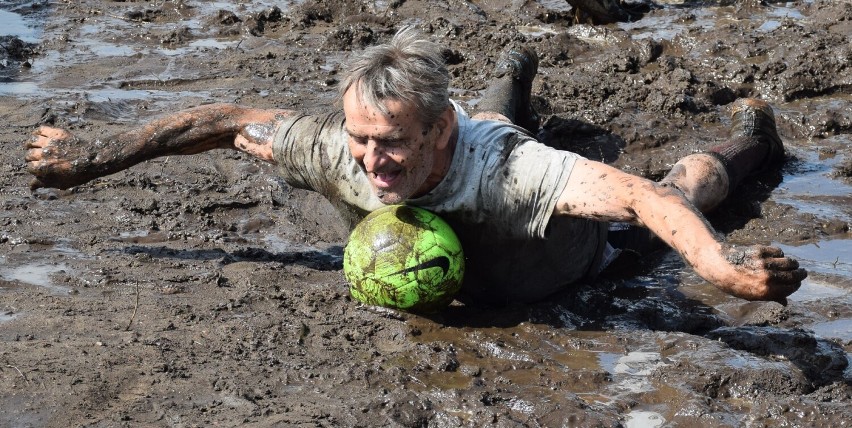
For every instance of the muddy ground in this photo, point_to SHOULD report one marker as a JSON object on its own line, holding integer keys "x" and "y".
{"x": 203, "y": 291}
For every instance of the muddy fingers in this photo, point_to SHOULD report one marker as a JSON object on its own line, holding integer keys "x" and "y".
{"x": 58, "y": 159}
{"x": 782, "y": 263}
{"x": 761, "y": 273}
{"x": 793, "y": 277}
{"x": 764, "y": 251}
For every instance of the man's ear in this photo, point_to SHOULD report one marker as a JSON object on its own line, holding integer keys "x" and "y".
{"x": 445, "y": 123}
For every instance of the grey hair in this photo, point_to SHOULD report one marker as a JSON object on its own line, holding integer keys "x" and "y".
{"x": 409, "y": 68}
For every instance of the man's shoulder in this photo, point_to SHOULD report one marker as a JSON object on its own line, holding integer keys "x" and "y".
{"x": 332, "y": 120}
{"x": 310, "y": 131}
{"x": 497, "y": 137}
{"x": 307, "y": 135}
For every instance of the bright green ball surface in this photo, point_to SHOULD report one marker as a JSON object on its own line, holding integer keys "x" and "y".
{"x": 405, "y": 258}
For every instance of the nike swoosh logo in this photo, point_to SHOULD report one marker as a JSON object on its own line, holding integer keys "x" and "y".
{"x": 442, "y": 262}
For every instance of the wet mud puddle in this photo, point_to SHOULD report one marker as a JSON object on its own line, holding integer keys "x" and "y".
{"x": 106, "y": 38}
{"x": 809, "y": 186}
{"x": 649, "y": 350}
{"x": 39, "y": 270}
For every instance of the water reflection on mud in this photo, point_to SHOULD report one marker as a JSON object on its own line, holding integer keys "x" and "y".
{"x": 16, "y": 25}
{"x": 39, "y": 266}
{"x": 661, "y": 348}
{"x": 643, "y": 419}
{"x": 815, "y": 289}
{"x": 36, "y": 273}
{"x": 830, "y": 266}
{"x": 837, "y": 329}
{"x": 7, "y": 316}
{"x": 809, "y": 187}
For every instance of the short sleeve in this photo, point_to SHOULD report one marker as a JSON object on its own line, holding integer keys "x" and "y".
{"x": 526, "y": 186}
{"x": 312, "y": 154}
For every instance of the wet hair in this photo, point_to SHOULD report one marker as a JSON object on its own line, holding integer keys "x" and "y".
{"x": 409, "y": 68}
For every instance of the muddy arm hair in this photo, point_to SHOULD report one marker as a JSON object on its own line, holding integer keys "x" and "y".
{"x": 601, "y": 192}
{"x": 196, "y": 130}
{"x": 59, "y": 159}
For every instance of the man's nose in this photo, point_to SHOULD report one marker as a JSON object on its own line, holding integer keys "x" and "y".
{"x": 374, "y": 157}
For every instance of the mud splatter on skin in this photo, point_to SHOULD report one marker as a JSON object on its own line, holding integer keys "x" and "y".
{"x": 778, "y": 276}
{"x": 71, "y": 161}
{"x": 738, "y": 256}
{"x": 273, "y": 341}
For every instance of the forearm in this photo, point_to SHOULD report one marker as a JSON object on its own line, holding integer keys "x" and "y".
{"x": 667, "y": 213}
{"x": 187, "y": 132}
{"x": 59, "y": 159}
{"x": 598, "y": 191}
{"x": 601, "y": 192}
{"x": 751, "y": 272}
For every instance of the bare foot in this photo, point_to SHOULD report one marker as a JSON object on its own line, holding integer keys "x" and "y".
{"x": 59, "y": 159}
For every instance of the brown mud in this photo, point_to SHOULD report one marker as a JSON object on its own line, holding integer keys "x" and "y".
{"x": 203, "y": 291}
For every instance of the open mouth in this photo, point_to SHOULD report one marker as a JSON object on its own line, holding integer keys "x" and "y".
{"x": 384, "y": 180}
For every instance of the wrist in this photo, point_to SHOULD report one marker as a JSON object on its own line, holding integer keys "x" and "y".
{"x": 712, "y": 264}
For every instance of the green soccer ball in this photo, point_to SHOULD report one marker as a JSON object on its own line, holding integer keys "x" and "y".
{"x": 405, "y": 258}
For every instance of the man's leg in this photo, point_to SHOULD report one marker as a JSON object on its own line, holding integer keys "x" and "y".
{"x": 507, "y": 98}
{"x": 706, "y": 179}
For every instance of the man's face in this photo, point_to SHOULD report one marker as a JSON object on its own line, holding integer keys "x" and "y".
{"x": 395, "y": 150}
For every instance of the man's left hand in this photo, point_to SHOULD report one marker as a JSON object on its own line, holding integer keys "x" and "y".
{"x": 761, "y": 273}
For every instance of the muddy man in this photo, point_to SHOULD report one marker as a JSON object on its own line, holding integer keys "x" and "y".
{"x": 532, "y": 219}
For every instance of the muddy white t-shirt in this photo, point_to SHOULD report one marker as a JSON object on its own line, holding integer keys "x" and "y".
{"x": 498, "y": 195}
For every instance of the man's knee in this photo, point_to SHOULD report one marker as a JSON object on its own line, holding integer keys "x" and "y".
{"x": 702, "y": 179}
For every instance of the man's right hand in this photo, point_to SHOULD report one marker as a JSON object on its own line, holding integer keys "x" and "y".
{"x": 59, "y": 159}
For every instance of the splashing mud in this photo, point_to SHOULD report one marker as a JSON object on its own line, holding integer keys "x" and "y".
{"x": 202, "y": 290}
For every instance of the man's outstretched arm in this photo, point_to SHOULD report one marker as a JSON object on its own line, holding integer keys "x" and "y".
{"x": 601, "y": 192}
{"x": 59, "y": 159}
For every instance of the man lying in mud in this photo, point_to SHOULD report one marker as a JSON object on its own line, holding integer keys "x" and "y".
{"x": 532, "y": 219}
